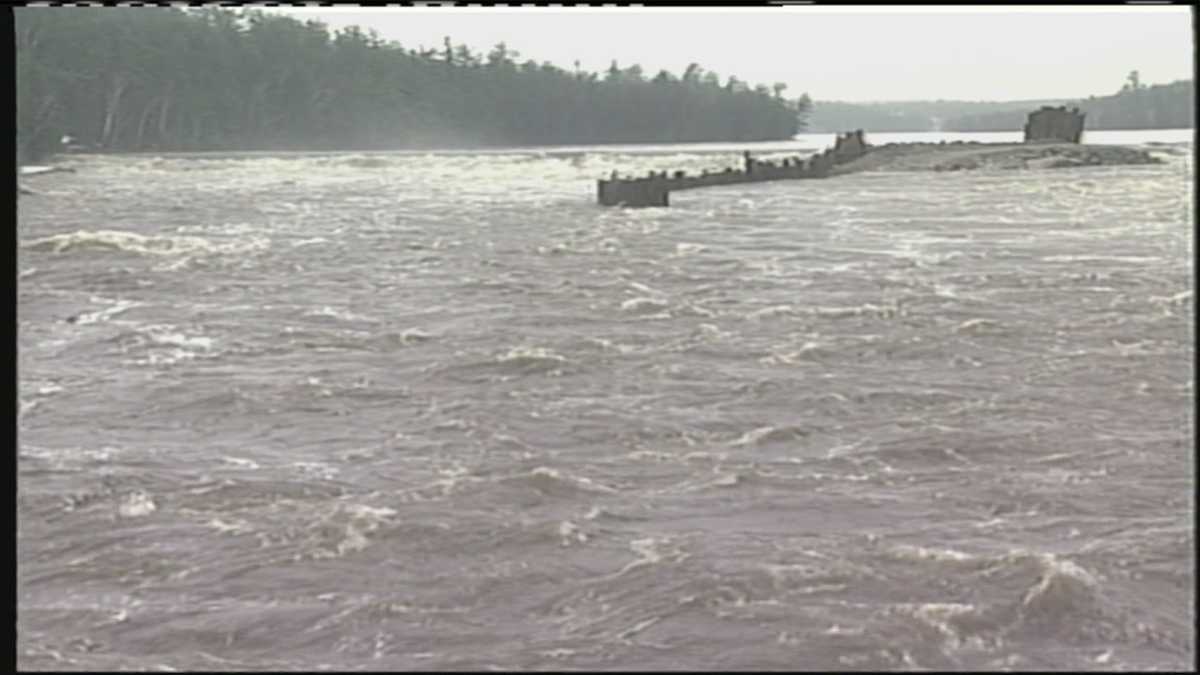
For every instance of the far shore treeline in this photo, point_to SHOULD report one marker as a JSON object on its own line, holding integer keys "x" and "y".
{"x": 1135, "y": 106}
{"x": 169, "y": 79}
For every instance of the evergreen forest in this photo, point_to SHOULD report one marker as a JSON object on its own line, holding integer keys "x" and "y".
{"x": 126, "y": 79}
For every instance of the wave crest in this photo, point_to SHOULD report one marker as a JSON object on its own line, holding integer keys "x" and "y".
{"x": 132, "y": 242}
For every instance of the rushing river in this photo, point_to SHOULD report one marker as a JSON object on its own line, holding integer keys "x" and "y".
{"x": 409, "y": 411}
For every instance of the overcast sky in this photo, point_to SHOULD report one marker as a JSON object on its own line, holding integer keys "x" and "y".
{"x": 832, "y": 53}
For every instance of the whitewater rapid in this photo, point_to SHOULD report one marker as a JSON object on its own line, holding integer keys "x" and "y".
{"x": 423, "y": 411}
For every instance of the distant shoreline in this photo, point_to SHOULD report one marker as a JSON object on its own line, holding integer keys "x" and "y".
{"x": 649, "y": 149}
{"x": 548, "y": 151}
{"x": 562, "y": 151}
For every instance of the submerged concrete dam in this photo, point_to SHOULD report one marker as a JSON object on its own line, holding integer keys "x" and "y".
{"x": 852, "y": 154}
{"x": 655, "y": 188}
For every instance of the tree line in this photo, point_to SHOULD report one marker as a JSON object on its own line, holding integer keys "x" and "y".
{"x": 166, "y": 79}
{"x": 906, "y": 116}
{"x": 1135, "y": 106}
{"x": 838, "y": 116}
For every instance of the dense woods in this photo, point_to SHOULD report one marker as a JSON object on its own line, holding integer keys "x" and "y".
{"x": 162, "y": 78}
{"x": 1136, "y": 106}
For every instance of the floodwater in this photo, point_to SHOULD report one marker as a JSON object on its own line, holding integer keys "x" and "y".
{"x": 444, "y": 412}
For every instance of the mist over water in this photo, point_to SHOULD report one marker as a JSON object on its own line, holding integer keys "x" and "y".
{"x": 406, "y": 411}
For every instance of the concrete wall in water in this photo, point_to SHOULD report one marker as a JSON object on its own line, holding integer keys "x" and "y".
{"x": 1054, "y": 125}
{"x": 654, "y": 188}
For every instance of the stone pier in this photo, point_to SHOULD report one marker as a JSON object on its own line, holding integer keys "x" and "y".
{"x": 654, "y": 189}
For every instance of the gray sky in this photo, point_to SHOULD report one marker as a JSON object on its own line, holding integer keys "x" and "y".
{"x": 833, "y": 53}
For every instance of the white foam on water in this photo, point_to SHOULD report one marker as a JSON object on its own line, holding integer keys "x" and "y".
{"x": 532, "y": 358}
{"x": 344, "y": 530}
{"x": 805, "y": 351}
{"x": 753, "y": 436}
{"x": 638, "y": 627}
{"x": 370, "y": 512}
{"x": 771, "y": 312}
{"x": 570, "y": 533}
{"x": 1059, "y": 576}
{"x": 1137, "y": 260}
{"x": 319, "y": 470}
{"x": 242, "y": 463}
{"x": 118, "y": 307}
{"x": 942, "y": 617}
{"x": 610, "y": 345}
{"x": 646, "y": 550}
{"x": 136, "y": 505}
{"x": 132, "y": 242}
{"x": 164, "y": 336}
{"x": 644, "y": 305}
{"x": 340, "y": 314}
{"x": 692, "y": 309}
{"x": 165, "y": 358}
{"x": 686, "y": 249}
{"x": 768, "y": 433}
{"x": 974, "y": 326}
{"x": 239, "y": 526}
{"x": 887, "y": 311}
{"x": 543, "y": 473}
{"x": 652, "y": 455}
{"x": 309, "y": 241}
{"x": 910, "y": 552}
